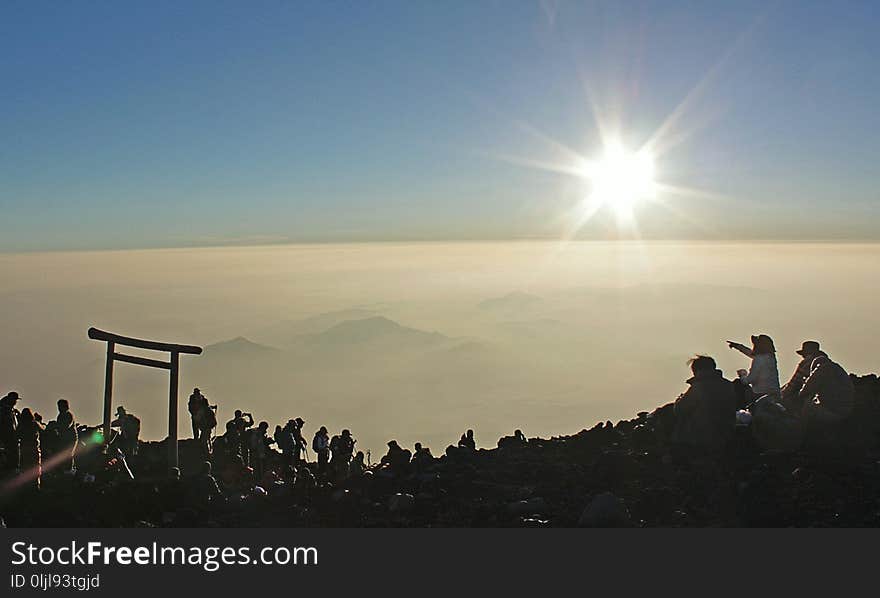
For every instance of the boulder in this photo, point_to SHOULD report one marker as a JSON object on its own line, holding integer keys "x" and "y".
{"x": 605, "y": 510}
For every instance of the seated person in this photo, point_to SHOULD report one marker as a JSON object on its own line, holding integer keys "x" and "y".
{"x": 396, "y": 458}
{"x": 422, "y": 459}
{"x": 828, "y": 395}
{"x": 809, "y": 351}
{"x": 705, "y": 415}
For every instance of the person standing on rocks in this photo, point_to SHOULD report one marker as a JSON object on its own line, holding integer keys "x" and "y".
{"x": 197, "y": 402}
{"x": 242, "y": 422}
{"x": 29, "y": 430}
{"x": 130, "y": 429}
{"x": 9, "y": 431}
{"x": 67, "y": 434}
{"x": 259, "y": 447}
{"x": 321, "y": 446}
{"x": 299, "y": 442}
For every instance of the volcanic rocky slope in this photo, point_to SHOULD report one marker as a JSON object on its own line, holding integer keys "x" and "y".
{"x": 622, "y": 474}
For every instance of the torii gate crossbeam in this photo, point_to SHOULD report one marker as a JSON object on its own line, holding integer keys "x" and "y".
{"x": 173, "y": 365}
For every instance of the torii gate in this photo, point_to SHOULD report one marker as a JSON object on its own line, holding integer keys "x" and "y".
{"x": 173, "y": 365}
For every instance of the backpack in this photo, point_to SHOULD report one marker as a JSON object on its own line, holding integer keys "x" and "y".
{"x": 209, "y": 418}
{"x": 132, "y": 425}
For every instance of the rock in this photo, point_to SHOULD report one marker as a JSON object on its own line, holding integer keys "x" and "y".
{"x": 339, "y": 495}
{"x": 401, "y": 503}
{"x": 605, "y": 510}
{"x": 529, "y": 506}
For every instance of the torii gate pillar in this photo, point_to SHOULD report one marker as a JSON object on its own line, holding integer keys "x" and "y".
{"x": 173, "y": 365}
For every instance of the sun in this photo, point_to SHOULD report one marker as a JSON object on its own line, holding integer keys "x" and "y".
{"x": 620, "y": 179}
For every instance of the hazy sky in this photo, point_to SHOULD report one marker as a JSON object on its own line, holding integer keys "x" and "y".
{"x": 177, "y": 124}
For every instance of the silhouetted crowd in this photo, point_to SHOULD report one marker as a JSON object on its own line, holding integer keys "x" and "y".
{"x": 818, "y": 397}
{"x": 246, "y": 460}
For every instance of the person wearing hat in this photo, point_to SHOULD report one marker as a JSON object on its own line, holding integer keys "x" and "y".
{"x": 129, "y": 431}
{"x": 809, "y": 351}
{"x": 827, "y": 395}
{"x": 9, "y": 431}
{"x": 762, "y": 377}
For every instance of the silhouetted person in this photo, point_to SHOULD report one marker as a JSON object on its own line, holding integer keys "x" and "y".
{"x": 205, "y": 488}
{"x": 467, "y": 441}
{"x": 422, "y": 458}
{"x": 9, "y": 432}
{"x": 65, "y": 426}
{"x": 195, "y": 405}
{"x": 206, "y": 421}
{"x": 705, "y": 415}
{"x": 129, "y": 431}
{"x": 809, "y": 351}
{"x": 396, "y": 458}
{"x": 227, "y": 444}
{"x": 243, "y": 421}
{"x": 284, "y": 441}
{"x": 341, "y": 451}
{"x": 357, "y": 467}
{"x": 762, "y": 377}
{"x": 29, "y": 429}
{"x": 321, "y": 446}
{"x": 259, "y": 447}
{"x": 517, "y": 440}
{"x": 299, "y": 441}
{"x": 827, "y": 394}
{"x": 278, "y": 437}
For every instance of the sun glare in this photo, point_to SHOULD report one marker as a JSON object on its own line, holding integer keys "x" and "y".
{"x": 621, "y": 178}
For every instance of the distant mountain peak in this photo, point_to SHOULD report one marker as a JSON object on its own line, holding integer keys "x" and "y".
{"x": 373, "y": 329}
{"x": 239, "y": 346}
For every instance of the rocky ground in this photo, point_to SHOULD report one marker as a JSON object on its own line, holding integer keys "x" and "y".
{"x": 623, "y": 474}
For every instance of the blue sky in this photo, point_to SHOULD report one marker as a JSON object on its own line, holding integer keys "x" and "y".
{"x": 202, "y": 123}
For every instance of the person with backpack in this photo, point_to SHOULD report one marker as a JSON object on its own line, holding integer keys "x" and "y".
{"x": 206, "y": 421}
{"x": 321, "y": 446}
{"x": 196, "y": 404}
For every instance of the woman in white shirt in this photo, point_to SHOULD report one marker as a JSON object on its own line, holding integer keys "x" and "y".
{"x": 763, "y": 375}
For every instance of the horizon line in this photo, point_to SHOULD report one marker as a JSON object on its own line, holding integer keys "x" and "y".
{"x": 292, "y": 242}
